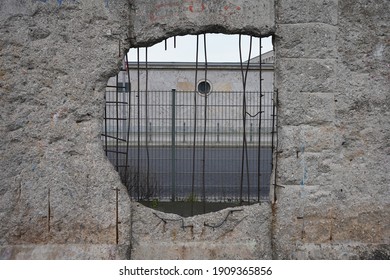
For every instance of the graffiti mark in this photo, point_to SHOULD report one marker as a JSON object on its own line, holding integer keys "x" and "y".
{"x": 166, "y": 10}
{"x": 170, "y": 8}
{"x": 106, "y": 3}
{"x": 231, "y": 7}
{"x": 197, "y": 8}
{"x": 59, "y": 2}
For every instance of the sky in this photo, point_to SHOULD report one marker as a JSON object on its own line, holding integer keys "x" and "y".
{"x": 220, "y": 48}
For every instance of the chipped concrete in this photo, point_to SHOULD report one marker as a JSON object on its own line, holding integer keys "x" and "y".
{"x": 233, "y": 233}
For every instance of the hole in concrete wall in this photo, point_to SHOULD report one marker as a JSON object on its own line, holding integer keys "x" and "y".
{"x": 179, "y": 148}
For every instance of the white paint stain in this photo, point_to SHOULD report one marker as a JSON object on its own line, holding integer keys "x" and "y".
{"x": 379, "y": 50}
{"x": 55, "y": 117}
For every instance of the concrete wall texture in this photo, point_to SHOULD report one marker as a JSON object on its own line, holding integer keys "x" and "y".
{"x": 58, "y": 191}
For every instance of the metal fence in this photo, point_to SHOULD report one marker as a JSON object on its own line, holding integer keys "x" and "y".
{"x": 186, "y": 146}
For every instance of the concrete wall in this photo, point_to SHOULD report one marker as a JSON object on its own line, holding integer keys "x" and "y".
{"x": 333, "y": 79}
{"x": 56, "y": 185}
{"x": 57, "y": 197}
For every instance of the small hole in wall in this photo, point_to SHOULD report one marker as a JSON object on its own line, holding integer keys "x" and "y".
{"x": 204, "y": 87}
{"x": 174, "y": 127}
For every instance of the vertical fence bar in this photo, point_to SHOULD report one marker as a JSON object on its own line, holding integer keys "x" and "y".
{"x": 184, "y": 132}
{"x": 150, "y": 131}
{"x": 218, "y": 132}
{"x": 173, "y": 145}
{"x": 251, "y": 133}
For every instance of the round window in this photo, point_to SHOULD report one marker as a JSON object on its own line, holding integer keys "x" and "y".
{"x": 204, "y": 87}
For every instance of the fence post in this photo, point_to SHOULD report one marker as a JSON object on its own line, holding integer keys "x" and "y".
{"x": 218, "y": 132}
{"x": 150, "y": 131}
{"x": 251, "y": 133}
{"x": 184, "y": 132}
{"x": 173, "y": 145}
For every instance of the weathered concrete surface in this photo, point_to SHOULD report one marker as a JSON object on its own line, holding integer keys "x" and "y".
{"x": 57, "y": 187}
{"x": 64, "y": 252}
{"x": 56, "y": 184}
{"x": 333, "y": 79}
{"x": 233, "y": 233}
{"x": 155, "y": 20}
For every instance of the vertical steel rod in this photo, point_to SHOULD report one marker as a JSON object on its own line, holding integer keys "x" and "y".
{"x": 204, "y": 130}
{"x": 173, "y": 145}
{"x": 195, "y": 130}
{"x": 116, "y": 216}
{"x": 246, "y": 143}
{"x": 147, "y": 122}
{"x": 245, "y": 160}
{"x": 138, "y": 125}
{"x": 260, "y": 113}
{"x": 48, "y": 210}
{"x": 128, "y": 125}
{"x": 275, "y": 123}
{"x": 117, "y": 123}
{"x": 105, "y": 124}
{"x": 119, "y": 49}
{"x": 243, "y": 142}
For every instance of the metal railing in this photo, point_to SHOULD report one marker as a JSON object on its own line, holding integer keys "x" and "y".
{"x": 153, "y": 143}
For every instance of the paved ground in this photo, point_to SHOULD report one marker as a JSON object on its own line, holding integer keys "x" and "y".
{"x": 222, "y": 176}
